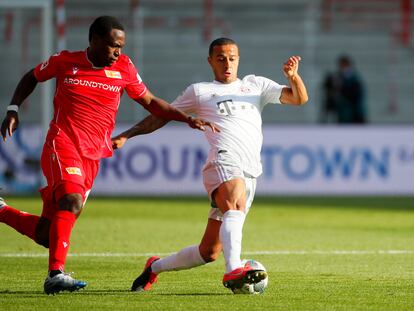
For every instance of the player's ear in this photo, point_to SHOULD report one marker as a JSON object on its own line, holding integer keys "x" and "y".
{"x": 209, "y": 60}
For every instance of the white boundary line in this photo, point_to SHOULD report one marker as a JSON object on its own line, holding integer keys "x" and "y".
{"x": 279, "y": 252}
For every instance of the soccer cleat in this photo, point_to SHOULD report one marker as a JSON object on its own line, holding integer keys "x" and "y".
{"x": 62, "y": 282}
{"x": 146, "y": 278}
{"x": 2, "y": 203}
{"x": 240, "y": 276}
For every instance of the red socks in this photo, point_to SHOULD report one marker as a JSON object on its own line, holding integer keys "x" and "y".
{"x": 22, "y": 222}
{"x": 60, "y": 230}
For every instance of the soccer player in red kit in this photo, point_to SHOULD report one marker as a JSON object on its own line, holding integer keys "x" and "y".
{"x": 89, "y": 85}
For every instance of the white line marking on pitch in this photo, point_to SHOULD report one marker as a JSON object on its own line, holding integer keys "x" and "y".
{"x": 280, "y": 252}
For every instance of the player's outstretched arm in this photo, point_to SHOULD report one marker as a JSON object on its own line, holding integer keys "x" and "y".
{"x": 296, "y": 94}
{"x": 25, "y": 87}
{"x": 161, "y": 114}
{"x": 146, "y": 126}
{"x": 163, "y": 110}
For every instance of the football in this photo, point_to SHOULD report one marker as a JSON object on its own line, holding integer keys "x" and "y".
{"x": 256, "y": 288}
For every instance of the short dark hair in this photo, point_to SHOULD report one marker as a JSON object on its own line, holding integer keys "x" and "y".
{"x": 344, "y": 60}
{"x": 219, "y": 42}
{"x": 103, "y": 26}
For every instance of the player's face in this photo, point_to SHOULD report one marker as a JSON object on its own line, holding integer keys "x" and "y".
{"x": 106, "y": 50}
{"x": 224, "y": 61}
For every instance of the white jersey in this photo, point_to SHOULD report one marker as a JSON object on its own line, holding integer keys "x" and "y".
{"x": 236, "y": 109}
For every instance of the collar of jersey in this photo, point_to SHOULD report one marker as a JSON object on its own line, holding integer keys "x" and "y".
{"x": 221, "y": 83}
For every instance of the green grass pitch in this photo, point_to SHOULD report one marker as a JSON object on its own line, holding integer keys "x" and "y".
{"x": 331, "y": 253}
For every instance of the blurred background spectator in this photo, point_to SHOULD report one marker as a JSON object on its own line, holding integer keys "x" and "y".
{"x": 344, "y": 94}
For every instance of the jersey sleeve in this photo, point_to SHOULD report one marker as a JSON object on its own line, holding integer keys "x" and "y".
{"x": 187, "y": 101}
{"x": 271, "y": 90}
{"x": 48, "y": 69}
{"x": 135, "y": 87}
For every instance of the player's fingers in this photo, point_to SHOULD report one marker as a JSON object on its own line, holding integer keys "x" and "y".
{"x": 213, "y": 127}
{"x": 294, "y": 61}
{"x": 10, "y": 129}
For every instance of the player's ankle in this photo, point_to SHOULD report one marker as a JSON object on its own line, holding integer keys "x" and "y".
{"x": 52, "y": 273}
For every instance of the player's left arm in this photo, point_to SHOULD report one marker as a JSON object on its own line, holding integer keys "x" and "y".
{"x": 296, "y": 94}
{"x": 161, "y": 109}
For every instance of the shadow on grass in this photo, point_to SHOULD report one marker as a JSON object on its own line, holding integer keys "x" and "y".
{"x": 99, "y": 292}
{"x": 27, "y": 294}
{"x": 195, "y": 294}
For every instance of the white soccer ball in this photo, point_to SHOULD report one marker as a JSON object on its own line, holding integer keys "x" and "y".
{"x": 257, "y": 288}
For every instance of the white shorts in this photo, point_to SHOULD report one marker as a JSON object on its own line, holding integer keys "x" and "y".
{"x": 217, "y": 172}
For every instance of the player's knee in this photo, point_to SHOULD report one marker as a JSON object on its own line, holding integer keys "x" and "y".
{"x": 211, "y": 257}
{"x": 71, "y": 202}
{"x": 241, "y": 207}
{"x": 210, "y": 254}
{"x": 42, "y": 232}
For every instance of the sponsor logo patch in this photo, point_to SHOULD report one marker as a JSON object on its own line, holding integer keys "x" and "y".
{"x": 93, "y": 84}
{"x": 74, "y": 171}
{"x": 113, "y": 74}
{"x": 75, "y": 70}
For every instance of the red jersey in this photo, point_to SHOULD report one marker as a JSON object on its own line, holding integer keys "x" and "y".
{"x": 87, "y": 98}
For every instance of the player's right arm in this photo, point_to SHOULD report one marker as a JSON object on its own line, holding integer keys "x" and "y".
{"x": 24, "y": 88}
{"x": 146, "y": 126}
{"x": 161, "y": 114}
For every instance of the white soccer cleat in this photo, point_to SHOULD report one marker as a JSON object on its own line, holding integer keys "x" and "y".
{"x": 2, "y": 203}
{"x": 62, "y": 282}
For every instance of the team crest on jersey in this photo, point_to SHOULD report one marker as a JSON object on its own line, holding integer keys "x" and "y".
{"x": 113, "y": 74}
{"x": 245, "y": 89}
{"x": 75, "y": 70}
{"x": 74, "y": 171}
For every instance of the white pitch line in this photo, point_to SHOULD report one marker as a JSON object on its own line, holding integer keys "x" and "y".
{"x": 276, "y": 252}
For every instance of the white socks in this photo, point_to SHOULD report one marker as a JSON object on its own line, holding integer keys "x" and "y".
{"x": 231, "y": 238}
{"x": 189, "y": 257}
{"x": 186, "y": 258}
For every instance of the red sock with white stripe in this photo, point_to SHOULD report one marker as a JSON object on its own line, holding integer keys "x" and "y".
{"x": 22, "y": 222}
{"x": 59, "y": 235}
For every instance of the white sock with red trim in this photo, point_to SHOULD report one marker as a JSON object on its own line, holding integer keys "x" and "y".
{"x": 231, "y": 238}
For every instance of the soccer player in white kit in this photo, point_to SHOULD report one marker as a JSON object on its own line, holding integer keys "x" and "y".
{"x": 233, "y": 163}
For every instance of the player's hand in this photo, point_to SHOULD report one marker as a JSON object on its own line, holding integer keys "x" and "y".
{"x": 10, "y": 124}
{"x": 290, "y": 68}
{"x": 118, "y": 142}
{"x": 201, "y": 124}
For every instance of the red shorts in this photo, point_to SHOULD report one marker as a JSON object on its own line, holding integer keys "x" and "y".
{"x": 66, "y": 171}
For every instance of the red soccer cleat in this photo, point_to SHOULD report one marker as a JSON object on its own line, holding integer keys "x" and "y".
{"x": 146, "y": 278}
{"x": 240, "y": 276}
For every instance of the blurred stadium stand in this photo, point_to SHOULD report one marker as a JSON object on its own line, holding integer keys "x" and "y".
{"x": 168, "y": 41}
